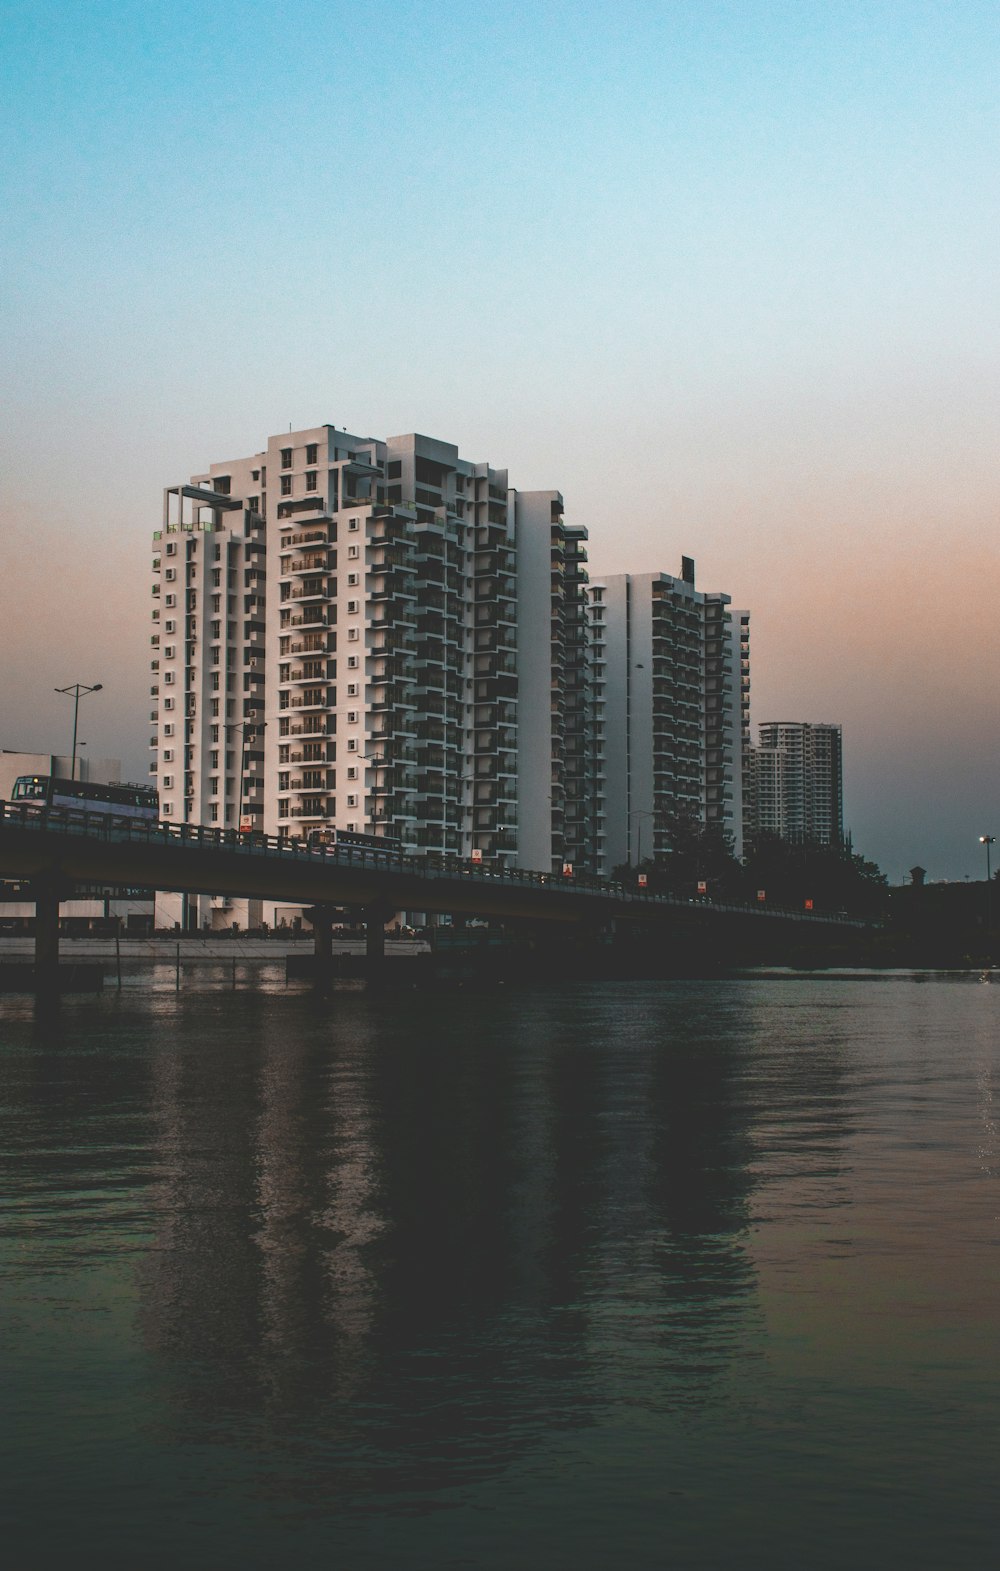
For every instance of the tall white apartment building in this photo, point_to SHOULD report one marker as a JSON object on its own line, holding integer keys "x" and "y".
{"x": 372, "y": 635}
{"x": 798, "y": 781}
{"x": 670, "y": 684}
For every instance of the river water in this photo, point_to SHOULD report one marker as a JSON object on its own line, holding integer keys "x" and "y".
{"x": 634, "y": 1275}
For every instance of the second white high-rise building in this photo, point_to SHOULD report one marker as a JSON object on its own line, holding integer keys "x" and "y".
{"x": 670, "y": 674}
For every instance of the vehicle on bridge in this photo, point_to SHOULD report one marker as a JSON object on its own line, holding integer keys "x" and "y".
{"x": 351, "y": 840}
{"x": 132, "y": 802}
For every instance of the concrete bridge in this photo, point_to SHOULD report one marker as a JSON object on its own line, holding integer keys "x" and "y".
{"x": 54, "y": 850}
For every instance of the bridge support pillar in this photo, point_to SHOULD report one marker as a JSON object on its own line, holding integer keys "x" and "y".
{"x": 321, "y": 918}
{"x": 47, "y": 893}
{"x": 375, "y": 920}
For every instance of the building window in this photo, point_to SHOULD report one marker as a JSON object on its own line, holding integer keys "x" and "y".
{"x": 354, "y": 524}
{"x": 352, "y": 717}
{"x": 167, "y": 810}
{"x": 168, "y": 729}
{"x": 286, "y": 458}
{"x": 352, "y": 774}
{"x": 352, "y": 635}
{"x": 352, "y": 608}
{"x": 352, "y": 662}
{"x": 310, "y": 479}
{"x": 168, "y": 781}
{"x": 311, "y": 452}
{"x": 352, "y": 744}
{"x": 286, "y": 485}
{"x": 352, "y": 801}
{"x": 353, "y": 580}
{"x": 352, "y": 689}
{"x": 168, "y": 703}
{"x": 354, "y": 551}
{"x": 213, "y": 812}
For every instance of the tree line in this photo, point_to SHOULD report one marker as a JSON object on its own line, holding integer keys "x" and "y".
{"x": 787, "y": 872}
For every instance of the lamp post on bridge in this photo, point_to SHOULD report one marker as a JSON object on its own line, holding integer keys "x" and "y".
{"x": 243, "y": 726}
{"x": 77, "y": 691}
{"x": 640, "y": 814}
{"x": 987, "y": 841}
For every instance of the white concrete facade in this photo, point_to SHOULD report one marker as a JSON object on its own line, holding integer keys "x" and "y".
{"x": 375, "y": 635}
{"x": 670, "y": 673}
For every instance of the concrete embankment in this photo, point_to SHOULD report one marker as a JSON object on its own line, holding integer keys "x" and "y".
{"x": 163, "y": 951}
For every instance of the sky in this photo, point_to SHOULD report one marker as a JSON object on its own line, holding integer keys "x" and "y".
{"x": 723, "y": 273}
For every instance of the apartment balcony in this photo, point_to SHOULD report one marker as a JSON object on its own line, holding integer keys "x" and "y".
{"x": 314, "y": 645}
{"x": 309, "y": 591}
{"x": 386, "y": 587}
{"x": 494, "y": 558}
{"x": 431, "y": 656}
{"x": 388, "y": 529}
{"x": 305, "y": 674}
{"x": 430, "y": 808}
{"x": 310, "y": 725}
{"x": 306, "y": 537}
{"x": 391, "y": 611}
{"x": 391, "y": 698}
{"x": 431, "y": 731}
{"x": 296, "y": 757}
{"x": 489, "y": 689}
{"x": 390, "y": 562}
{"x": 313, "y": 616}
{"x": 307, "y": 701}
{"x": 295, "y": 566}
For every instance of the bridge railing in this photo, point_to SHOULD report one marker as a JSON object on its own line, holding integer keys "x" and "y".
{"x": 434, "y": 867}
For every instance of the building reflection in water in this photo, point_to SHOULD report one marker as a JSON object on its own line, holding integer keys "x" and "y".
{"x": 421, "y": 1230}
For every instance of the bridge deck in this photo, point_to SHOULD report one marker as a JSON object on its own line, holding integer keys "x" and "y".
{"x": 56, "y": 845}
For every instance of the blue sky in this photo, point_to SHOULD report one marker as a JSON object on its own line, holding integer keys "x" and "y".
{"x": 725, "y": 274}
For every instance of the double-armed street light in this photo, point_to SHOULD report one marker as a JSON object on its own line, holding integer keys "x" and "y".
{"x": 640, "y": 814}
{"x": 77, "y": 690}
{"x": 987, "y": 841}
{"x": 243, "y": 726}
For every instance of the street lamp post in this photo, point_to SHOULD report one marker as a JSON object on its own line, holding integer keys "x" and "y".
{"x": 77, "y": 689}
{"x": 243, "y": 726}
{"x": 640, "y": 814}
{"x": 987, "y": 841}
